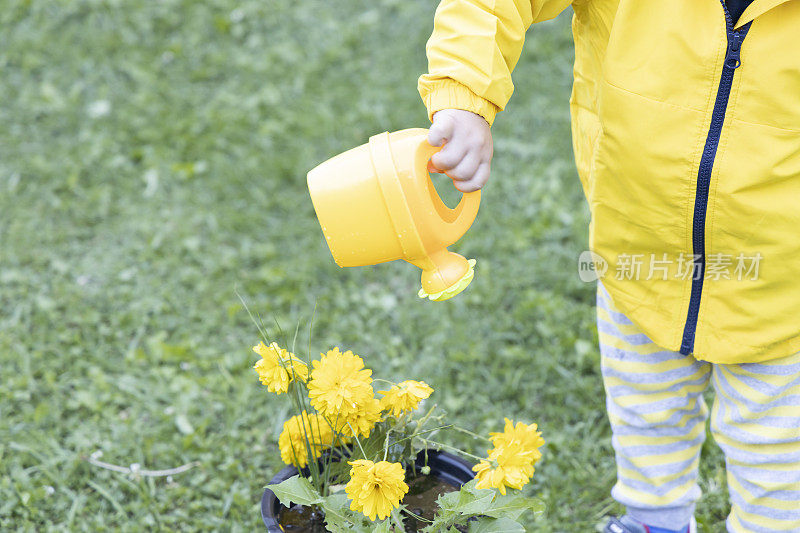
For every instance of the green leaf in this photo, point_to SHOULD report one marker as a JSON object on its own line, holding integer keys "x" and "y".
{"x": 382, "y": 527}
{"x": 297, "y": 490}
{"x": 448, "y": 500}
{"x": 513, "y": 505}
{"x": 338, "y": 501}
{"x": 495, "y": 525}
{"x": 339, "y": 518}
{"x": 470, "y": 500}
{"x": 472, "y": 504}
{"x": 336, "y": 523}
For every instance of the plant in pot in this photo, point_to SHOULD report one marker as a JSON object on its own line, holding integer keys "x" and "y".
{"x": 367, "y": 461}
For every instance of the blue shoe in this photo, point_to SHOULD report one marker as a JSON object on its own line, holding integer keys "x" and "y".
{"x": 624, "y": 525}
{"x": 629, "y": 525}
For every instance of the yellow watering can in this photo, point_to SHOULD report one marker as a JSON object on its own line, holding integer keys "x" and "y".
{"x": 376, "y": 203}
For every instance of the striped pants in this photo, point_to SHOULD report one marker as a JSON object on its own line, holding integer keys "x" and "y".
{"x": 658, "y": 417}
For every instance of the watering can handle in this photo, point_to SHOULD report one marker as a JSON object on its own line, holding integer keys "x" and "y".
{"x": 464, "y": 213}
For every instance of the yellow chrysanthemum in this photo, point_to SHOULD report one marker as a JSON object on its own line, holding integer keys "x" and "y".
{"x": 404, "y": 396}
{"x": 526, "y": 435}
{"x": 375, "y": 488}
{"x": 363, "y": 420}
{"x": 340, "y": 386}
{"x": 510, "y": 462}
{"x": 507, "y": 466}
{"x": 277, "y": 367}
{"x": 296, "y": 430}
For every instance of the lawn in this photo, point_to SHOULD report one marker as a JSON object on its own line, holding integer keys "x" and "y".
{"x": 152, "y": 165}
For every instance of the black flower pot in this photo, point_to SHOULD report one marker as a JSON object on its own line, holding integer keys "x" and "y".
{"x": 444, "y": 466}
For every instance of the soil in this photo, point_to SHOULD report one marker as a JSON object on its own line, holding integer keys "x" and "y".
{"x": 300, "y": 519}
{"x": 420, "y": 500}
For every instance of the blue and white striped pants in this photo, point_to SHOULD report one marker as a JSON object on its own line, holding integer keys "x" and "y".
{"x": 658, "y": 417}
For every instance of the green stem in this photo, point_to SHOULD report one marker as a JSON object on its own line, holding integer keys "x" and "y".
{"x": 294, "y": 340}
{"x": 421, "y": 432}
{"x": 418, "y": 517}
{"x": 313, "y": 466}
{"x": 259, "y": 327}
{"x": 280, "y": 331}
{"x": 310, "y": 330}
{"x": 457, "y": 450}
{"x": 327, "y": 465}
{"x": 424, "y": 419}
{"x": 357, "y": 440}
{"x": 297, "y": 387}
{"x": 471, "y": 434}
{"x": 386, "y": 444}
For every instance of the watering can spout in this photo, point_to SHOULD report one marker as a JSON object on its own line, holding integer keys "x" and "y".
{"x": 444, "y": 274}
{"x": 377, "y": 203}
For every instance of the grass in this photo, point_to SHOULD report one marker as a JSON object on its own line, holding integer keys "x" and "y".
{"x": 152, "y": 163}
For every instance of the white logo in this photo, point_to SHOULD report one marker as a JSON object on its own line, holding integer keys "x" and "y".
{"x": 591, "y": 266}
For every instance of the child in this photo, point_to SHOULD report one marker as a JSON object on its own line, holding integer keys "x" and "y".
{"x": 686, "y": 132}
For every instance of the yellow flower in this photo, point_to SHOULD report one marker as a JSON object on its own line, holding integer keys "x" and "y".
{"x": 296, "y": 430}
{"x": 404, "y": 396}
{"x": 277, "y": 367}
{"x": 526, "y": 435}
{"x": 375, "y": 488}
{"x": 507, "y": 466}
{"x": 510, "y": 462}
{"x": 340, "y": 386}
{"x": 363, "y": 420}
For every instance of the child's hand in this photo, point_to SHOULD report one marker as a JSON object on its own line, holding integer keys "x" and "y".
{"x": 467, "y": 155}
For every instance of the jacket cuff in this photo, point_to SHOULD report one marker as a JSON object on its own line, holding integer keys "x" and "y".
{"x": 447, "y": 93}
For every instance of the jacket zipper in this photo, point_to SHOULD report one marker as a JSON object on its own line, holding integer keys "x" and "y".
{"x": 732, "y": 62}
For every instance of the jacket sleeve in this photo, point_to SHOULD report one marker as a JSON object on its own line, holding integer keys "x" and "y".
{"x": 474, "y": 46}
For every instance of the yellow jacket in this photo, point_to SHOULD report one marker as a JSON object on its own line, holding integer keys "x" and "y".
{"x": 686, "y": 131}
